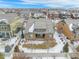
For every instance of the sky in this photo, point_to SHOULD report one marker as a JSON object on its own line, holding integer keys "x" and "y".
{"x": 39, "y": 3}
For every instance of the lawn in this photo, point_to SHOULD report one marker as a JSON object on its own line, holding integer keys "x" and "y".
{"x": 1, "y": 56}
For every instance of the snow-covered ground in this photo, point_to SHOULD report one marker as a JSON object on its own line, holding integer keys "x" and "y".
{"x": 49, "y": 57}
{"x": 61, "y": 58}
{"x": 10, "y": 56}
{"x": 64, "y": 42}
{"x": 12, "y": 41}
{"x": 2, "y": 49}
{"x": 57, "y": 49}
{"x": 9, "y": 42}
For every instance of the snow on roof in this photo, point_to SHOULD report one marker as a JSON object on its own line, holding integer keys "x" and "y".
{"x": 4, "y": 20}
{"x": 70, "y": 27}
{"x": 31, "y": 29}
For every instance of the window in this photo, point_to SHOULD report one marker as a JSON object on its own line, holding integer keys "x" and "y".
{"x": 40, "y": 35}
{"x": 2, "y": 34}
{"x": 39, "y": 30}
{"x": 2, "y": 27}
{"x": 5, "y": 28}
{"x": 7, "y": 35}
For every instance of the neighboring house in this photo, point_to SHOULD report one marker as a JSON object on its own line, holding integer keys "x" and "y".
{"x": 5, "y": 30}
{"x": 39, "y": 15}
{"x": 5, "y": 34}
{"x": 37, "y": 29}
{"x": 24, "y": 14}
{"x": 53, "y": 15}
{"x": 12, "y": 19}
{"x": 75, "y": 15}
{"x": 62, "y": 27}
{"x": 75, "y": 28}
{"x": 36, "y": 12}
{"x": 64, "y": 15}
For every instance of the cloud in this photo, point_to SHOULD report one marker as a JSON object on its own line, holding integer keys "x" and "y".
{"x": 53, "y": 3}
{"x": 54, "y": 6}
{"x": 44, "y": 1}
{"x": 4, "y": 6}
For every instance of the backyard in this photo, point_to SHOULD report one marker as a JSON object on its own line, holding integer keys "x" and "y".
{"x": 40, "y": 44}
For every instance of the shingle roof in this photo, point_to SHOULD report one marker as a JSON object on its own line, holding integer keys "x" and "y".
{"x": 41, "y": 24}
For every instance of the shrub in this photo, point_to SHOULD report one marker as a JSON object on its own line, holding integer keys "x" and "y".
{"x": 77, "y": 48}
{"x": 65, "y": 48}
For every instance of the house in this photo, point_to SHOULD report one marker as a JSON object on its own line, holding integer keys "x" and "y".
{"x": 39, "y": 34}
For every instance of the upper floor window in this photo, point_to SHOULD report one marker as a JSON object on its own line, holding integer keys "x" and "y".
{"x": 2, "y": 34}
{"x": 39, "y": 30}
